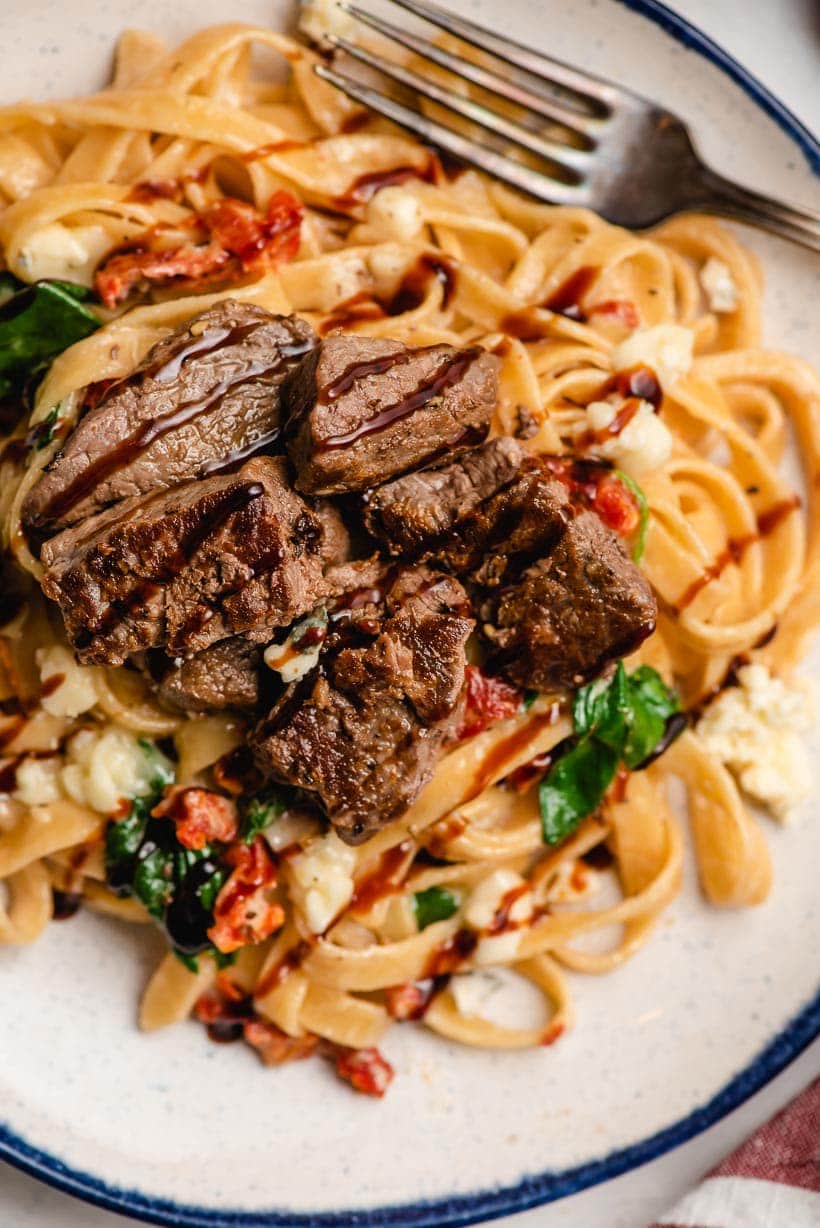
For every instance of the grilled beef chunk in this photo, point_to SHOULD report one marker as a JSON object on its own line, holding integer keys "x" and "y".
{"x": 185, "y": 568}
{"x": 572, "y": 612}
{"x": 498, "y": 512}
{"x": 362, "y": 733}
{"x": 494, "y": 509}
{"x": 204, "y": 396}
{"x": 226, "y": 675}
{"x": 366, "y": 408}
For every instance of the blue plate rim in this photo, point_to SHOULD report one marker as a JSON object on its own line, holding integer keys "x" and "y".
{"x": 545, "y": 1187}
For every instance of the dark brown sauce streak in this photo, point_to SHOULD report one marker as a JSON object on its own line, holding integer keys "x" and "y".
{"x": 451, "y": 954}
{"x": 767, "y": 522}
{"x": 507, "y": 748}
{"x": 448, "y": 373}
{"x": 65, "y": 904}
{"x": 566, "y": 299}
{"x": 638, "y": 381}
{"x": 8, "y": 775}
{"x": 382, "y": 880}
{"x": 51, "y": 684}
{"x": 365, "y": 187}
{"x": 415, "y": 284}
{"x": 153, "y": 429}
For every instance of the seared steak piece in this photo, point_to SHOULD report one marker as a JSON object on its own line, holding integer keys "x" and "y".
{"x": 366, "y": 408}
{"x": 362, "y": 733}
{"x": 494, "y": 509}
{"x": 204, "y": 397}
{"x": 184, "y": 568}
{"x": 226, "y": 675}
{"x": 577, "y": 609}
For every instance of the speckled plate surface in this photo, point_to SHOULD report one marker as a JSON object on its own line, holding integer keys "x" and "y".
{"x": 173, "y": 1129}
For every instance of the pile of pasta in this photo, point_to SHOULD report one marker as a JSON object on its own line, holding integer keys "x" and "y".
{"x": 217, "y": 117}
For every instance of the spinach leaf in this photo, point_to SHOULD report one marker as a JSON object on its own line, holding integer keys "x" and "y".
{"x": 643, "y": 512}
{"x": 575, "y": 787}
{"x": 627, "y": 717}
{"x": 434, "y": 904}
{"x": 38, "y": 322}
{"x": 260, "y": 811}
{"x": 144, "y": 859}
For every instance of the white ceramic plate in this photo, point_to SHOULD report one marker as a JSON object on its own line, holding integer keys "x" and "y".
{"x": 173, "y": 1129}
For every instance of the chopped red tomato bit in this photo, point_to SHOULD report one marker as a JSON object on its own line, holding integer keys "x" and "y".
{"x": 488, "y": 700}
{"x": 200, "y": 816}
{"x": 621, "y": 309}
{"x": 409, "y": 1001}
{"x": 245, "y": 911}
{"x": 617, "y": 506}
{"x": 364, "y": 1069}
{"x": 240, "y": 239}
{"x": 275, "y": 1047}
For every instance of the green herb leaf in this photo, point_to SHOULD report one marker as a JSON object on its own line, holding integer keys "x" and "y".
{"x": 643, "y": 511}
{"x": 529, "y": 699}
{"x": 159, "y": 765}
{"x": 621, "y": 718}
{"x": 37, "y": 323}
{"x": 260, "y": 811}
{"x": 153, "y": 879}
{"x": 652, "y": 704}
{"x": 574, "y": 787}
{"x": 434, "y": 904}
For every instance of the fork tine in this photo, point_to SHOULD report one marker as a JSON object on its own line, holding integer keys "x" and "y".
{"x": 598, "y": 93}
{"x": 431, "y": 131}
{"x": 583, "y": 127}
{"x": 568, "y": 161}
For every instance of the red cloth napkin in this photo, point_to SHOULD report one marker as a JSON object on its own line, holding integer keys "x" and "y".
{"x": 772, "y": 1181}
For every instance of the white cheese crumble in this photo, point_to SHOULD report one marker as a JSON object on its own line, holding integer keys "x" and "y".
{"x": 719, "y": 286}
{"x": 323, "y": 875}
{"x": 754, "y": 730}
{"x": 70, "y": 253}
{"x": 103, "y": 769}
{"x": 472, "y": 990}
{"x": 489, "y": 895}
{"x": 666, "y": 348}
{"x": 395, "y": 213}
{"x": 37, "y": 781}
{"x": 290, "y": 661}
{"x": 76, "y": 692}
{"x": 644, "y": 444}
{"x": 319, "y": 18}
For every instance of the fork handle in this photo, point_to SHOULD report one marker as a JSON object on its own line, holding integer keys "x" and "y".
{"x": 722, "y": 196}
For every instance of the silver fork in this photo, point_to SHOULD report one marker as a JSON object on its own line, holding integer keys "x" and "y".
{"x": 601, "y": 146}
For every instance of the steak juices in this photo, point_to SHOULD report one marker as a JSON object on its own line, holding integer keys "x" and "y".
{"x": 247, "y": 474}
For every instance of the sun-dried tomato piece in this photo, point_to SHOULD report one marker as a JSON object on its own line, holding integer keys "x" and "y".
{"x": 200, "y": 816}
{"x": 240, "y": 239}
{"x": 412, "y": 1000}
{"x": 140, "y": 267}
{"x": 365, "y": 1069}
{"x": 245, "y": 911}
{"x": 275, "y": 1047}
{"x": 489, "y": 699}
{"x": 617, "y": 506}
{"x": 256, "y": 239}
